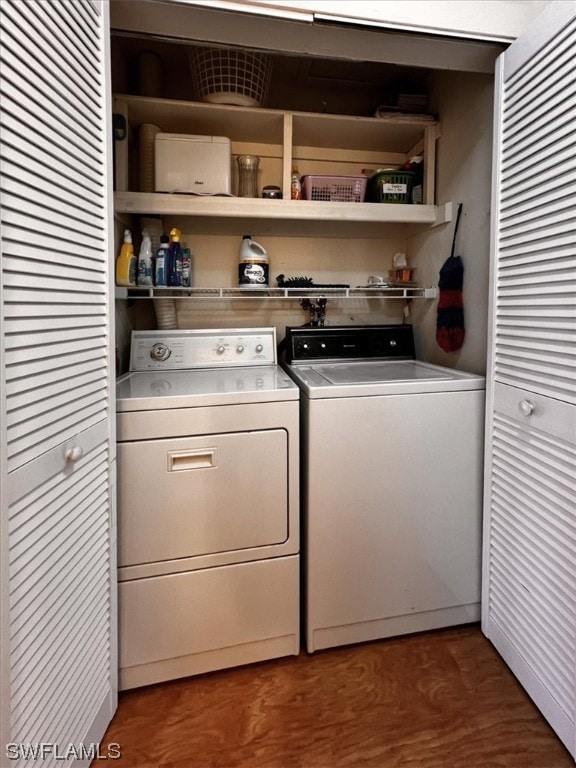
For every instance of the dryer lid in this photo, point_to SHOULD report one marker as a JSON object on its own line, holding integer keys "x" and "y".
{"x": 159, "y": 390}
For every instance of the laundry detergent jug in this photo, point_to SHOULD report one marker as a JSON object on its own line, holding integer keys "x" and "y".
{"x": 253, "y": 265}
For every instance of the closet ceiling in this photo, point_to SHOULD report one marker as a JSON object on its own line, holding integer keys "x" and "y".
{"x": 310, "y": 84}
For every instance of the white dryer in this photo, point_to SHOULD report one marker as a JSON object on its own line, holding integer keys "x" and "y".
{"x": 208, "y": 509}
{"x": 391, "y": 485}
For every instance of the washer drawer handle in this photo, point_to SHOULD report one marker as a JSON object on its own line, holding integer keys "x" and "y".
{"x": 179, "y": 461}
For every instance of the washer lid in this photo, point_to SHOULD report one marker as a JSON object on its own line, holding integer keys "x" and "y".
{"x": 376, "y": 372}
{"x": 159, "y": 390}
{"x": 380, "y": 377}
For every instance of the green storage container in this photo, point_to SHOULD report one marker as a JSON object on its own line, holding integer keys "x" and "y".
{"x": 390, "y": 185}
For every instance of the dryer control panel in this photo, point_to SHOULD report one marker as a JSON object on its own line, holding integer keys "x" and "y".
{"x": 214, "y": 348}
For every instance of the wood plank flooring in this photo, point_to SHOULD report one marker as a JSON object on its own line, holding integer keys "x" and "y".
{"x": 440, "y": 699}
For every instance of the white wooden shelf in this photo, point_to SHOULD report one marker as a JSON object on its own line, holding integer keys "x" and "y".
{"x": 317, "y": 143}
{"x": 302, "y": 210}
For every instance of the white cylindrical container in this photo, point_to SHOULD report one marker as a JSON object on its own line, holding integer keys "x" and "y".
{"x": 146, "y": 156}
{"x": 253, "y": 266}
{"x": 149, "y": 74}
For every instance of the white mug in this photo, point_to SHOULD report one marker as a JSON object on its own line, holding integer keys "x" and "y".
{"x": 375, "y": 280}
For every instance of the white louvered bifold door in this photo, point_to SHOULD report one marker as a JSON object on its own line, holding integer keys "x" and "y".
{"x": 58, "y": 506}
{"x": 529, "y": 580}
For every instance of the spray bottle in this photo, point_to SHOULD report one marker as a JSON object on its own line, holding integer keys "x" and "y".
{"x": 145, "y": 260}
{"x": 126, "y": 263}
{"x": 173, "y": 263}
{"x": 253, "y": 265}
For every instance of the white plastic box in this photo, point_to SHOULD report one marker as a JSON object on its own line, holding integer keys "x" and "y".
{"x": 200, "y": 165}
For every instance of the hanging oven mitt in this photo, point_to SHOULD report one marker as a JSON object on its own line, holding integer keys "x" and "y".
{"x": 450, "y": 319}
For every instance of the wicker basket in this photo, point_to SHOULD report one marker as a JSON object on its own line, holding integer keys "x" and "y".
{"x": 229, "y": 76}
{"x": 335, "y": 189}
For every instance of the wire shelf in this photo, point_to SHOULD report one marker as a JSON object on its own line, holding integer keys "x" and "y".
{"x": 383, "y": 292}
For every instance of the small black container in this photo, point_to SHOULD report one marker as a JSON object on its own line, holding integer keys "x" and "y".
{"x": 272, "y": 192}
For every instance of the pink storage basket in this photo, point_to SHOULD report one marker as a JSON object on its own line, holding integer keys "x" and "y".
{"x": 334, "y": 189}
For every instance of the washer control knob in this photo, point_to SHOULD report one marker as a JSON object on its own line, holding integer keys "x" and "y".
{"x": 525, "y": 407}
{"x": 220, "y": 349}
{"x": 240, "y": 348}
{"x": 160, "y": 352}
{"x": 259, "y": 348}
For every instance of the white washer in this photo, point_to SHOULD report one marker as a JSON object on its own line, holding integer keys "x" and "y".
{"x": 208, "y": 509}
{"x": 392, "y": 485}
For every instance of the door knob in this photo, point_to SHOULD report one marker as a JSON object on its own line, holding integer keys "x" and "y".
{"x": 525, "y": 407}
{"x": 73, "y": 454}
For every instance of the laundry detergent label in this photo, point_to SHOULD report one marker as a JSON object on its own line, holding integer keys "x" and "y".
{"x": 253, "y": 274}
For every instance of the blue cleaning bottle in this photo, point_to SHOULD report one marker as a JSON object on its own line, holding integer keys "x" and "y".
{"x": 161, "y": 259}
{"x": 173, "y": 264}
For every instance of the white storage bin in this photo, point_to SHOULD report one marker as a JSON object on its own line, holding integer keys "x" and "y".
{"x": 198, "y": 164}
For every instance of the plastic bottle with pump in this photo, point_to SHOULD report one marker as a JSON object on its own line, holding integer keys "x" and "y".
{"x": 161, "y": 259}
{"x": 253, "y": 265}
{"x": 173, "y": 264}
{"x": 145, "y": 260}
{"x": 126, "y": 263}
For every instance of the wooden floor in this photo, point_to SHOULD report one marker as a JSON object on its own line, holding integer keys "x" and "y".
{"x": 435, "y": 700}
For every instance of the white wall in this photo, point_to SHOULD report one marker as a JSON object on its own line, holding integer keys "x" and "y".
{"x": 464, "y": 168}
{"x": 344, "y": 259}
{"x": 327, "y": 260}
